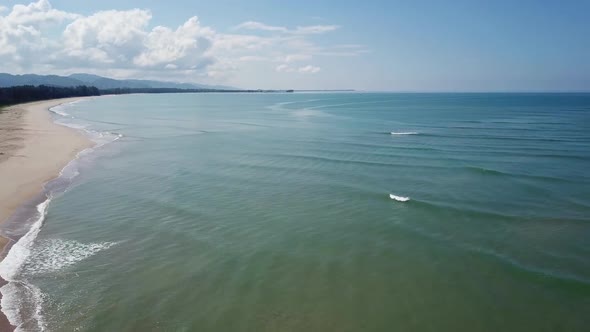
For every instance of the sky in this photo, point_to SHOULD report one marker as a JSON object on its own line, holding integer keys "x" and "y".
{"x": 414, "y": 46}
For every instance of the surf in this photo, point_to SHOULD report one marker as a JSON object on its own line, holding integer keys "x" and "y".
{"x": 399, "y": 198}
{"x": 401, "y": 133}
{"x": 22, "y": 301}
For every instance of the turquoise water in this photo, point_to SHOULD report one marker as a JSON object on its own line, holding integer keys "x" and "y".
{"x": 271, "y": 212}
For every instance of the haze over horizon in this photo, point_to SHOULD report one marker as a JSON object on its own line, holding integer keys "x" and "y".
{"x": 385, "y": 46}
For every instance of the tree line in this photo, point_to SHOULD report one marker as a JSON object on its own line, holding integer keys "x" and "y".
{"x": 28, "y": 93}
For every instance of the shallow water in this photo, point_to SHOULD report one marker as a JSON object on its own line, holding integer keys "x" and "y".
{"x": 272, "y": 212}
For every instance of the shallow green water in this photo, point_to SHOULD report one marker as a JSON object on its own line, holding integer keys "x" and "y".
{"x": 271, "y": 212}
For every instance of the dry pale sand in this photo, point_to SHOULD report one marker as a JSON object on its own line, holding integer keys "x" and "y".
{"x": 33, "y": 150}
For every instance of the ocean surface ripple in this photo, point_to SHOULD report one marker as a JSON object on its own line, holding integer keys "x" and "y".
{"x": 313, "y": 212}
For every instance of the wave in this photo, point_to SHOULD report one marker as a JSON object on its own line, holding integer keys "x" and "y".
{"x": 56, "y": 254}
{"x": 58, "y": 110}
{"x": 10, "y": 266}
{"x": 281, "y": 106}
{"x": 22, "y": 301}
{"x": 487, "y": 171}
{"x": 308, "y": 112}
{"x": 493, "y": 172}
{"x": 99, "y": 137}
{"x": 399, "y": 198}
{"x": 441, "y": 208}
{"x": 404, "y": 133}
{"x": 17, "y": 294}
{"x": 505, "y": 258}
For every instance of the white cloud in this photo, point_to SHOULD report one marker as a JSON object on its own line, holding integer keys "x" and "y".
{"x": 105, "y": 39}
{"x": 284, "y": 68}
{"x": 315, "y": 29}
{"x": 309, "y": 69}
{"x": 112, "y": 37}
{"x": 123, "y": 43}
{"x": 247, "y": 58}
{"x": 221, "y": 70}
{"x": 296, "y": 57}
{"x": 21, "y": 31}
{"x": 228, "y": 42}
{"x": 252, "y": 25}
{"x": 36, "y": 12}
{"x": 185, "y": 46}
{"x": 300, "y": 30}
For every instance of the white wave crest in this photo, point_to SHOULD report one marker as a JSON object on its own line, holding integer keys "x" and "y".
{"x": 17, "y": 292}
{"x": 59, "y": 111}
{"x": 20, "y": 251}
{"x": 22, "y": 301}
{"x": 404, "y": 133}
{"x": 399, "y": 198}
{"x": 56, "y": 254}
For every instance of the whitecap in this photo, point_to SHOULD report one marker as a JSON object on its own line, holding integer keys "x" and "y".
{"x": 18, "y": 292}
{"x": 20, "y": 251}
{"x": 59, "y": 111}
{"x": 56, "y": 254}
{"x": 399, "y": 198}
{"x": 404, "y": 133}
{"x": 22, "y": 301}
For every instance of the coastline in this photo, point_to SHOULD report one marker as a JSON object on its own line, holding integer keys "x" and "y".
{"x": 33, "y": 150}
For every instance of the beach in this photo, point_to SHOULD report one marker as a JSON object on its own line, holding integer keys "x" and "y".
{"x": 33, "y": 150}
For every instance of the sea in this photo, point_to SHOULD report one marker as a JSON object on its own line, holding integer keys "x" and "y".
{"x": 311, "y": 212}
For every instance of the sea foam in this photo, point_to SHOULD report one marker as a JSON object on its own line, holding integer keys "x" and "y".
{"x": 56, "y": 254}
{"x": 59, "y": 111}
{"x": 22, "y": 301}
{"x": 404, "y": 133}
{"x": 399, "y": 198}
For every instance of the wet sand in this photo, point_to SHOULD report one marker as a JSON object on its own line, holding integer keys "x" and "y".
{"x": 33, "y": 150}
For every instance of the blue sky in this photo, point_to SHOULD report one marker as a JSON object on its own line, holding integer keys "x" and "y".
{"x": 370, "y": 45}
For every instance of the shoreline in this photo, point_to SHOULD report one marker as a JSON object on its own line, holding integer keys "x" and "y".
{"x": 33, "y": 151}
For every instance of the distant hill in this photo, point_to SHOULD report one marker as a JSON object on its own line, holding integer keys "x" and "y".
{"x": 8, "y": 80}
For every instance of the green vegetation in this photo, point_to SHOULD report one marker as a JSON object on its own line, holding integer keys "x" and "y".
{"x": 27, "y": 93}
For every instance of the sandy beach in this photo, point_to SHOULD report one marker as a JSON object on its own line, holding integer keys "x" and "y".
{"x": 33, "y": 150}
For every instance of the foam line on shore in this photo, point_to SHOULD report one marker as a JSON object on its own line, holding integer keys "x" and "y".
{"x": 36, "y": 179}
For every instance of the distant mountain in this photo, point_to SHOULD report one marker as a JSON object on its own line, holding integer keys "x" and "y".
{"x": 7, "y": 80}
{"x": 109, "y": 83}
{"x": 86, "y": 78}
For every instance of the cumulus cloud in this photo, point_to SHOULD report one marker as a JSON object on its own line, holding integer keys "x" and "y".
{"x": 21, "y": 31}
{"x": 39, "y": 38}
{"x": 105, "y": 39}
{"x": 111, "y": 37}
{"x": 184, "y": 46}
{"x": 35, "y": 13}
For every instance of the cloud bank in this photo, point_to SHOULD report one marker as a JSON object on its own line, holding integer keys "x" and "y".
{"x": 39, "y": 38}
